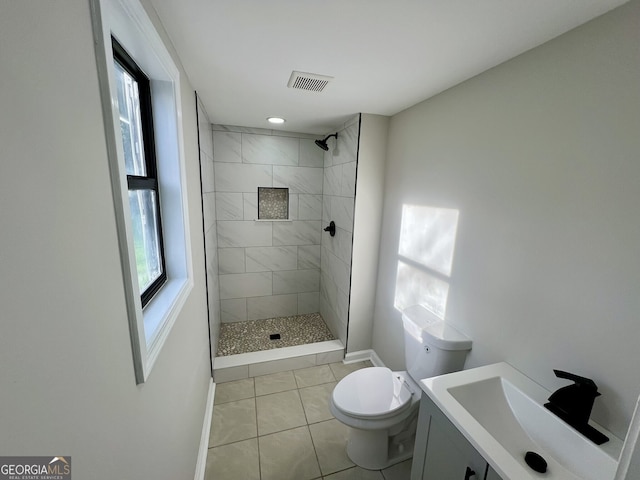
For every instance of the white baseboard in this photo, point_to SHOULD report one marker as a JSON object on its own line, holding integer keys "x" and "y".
{"x": 363, "y": 355}
{"x": 201, "y": 464}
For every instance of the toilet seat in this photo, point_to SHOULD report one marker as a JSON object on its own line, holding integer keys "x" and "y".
{"x": 374, "y": 392}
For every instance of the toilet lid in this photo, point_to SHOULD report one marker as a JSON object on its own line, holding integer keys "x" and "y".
{"x": 371, "y": 392}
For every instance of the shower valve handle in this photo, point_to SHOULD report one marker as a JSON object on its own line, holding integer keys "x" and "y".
{"x": 331, "y": 228}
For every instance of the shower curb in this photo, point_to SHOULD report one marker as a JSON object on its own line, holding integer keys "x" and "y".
{"x": 253, "y": 364}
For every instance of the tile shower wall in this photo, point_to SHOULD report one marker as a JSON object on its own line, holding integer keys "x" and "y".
{"x": 338, "y": 205}
{"x": 209, "y": 213}
{"x": 267, "y": 268}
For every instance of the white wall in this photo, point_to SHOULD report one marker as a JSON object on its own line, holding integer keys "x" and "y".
{"x": 66, "y": 375}
{"x": 540, "y": 157}
{"x": 367, "y": 226}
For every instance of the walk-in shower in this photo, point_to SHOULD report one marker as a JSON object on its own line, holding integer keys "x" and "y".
{"x": 272, "y": 272}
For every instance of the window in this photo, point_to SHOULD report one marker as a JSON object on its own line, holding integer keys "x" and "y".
{"x": 136, "y": 128}
{"x": 141, "y": 104}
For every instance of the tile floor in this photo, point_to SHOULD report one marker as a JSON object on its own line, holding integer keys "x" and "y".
{"x": 279, "y": 427}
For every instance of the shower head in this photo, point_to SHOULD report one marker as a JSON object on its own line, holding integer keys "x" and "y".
{"x": 323, "y": 143}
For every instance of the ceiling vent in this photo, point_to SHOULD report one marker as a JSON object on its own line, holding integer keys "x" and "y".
{"x": 308, "y": 81}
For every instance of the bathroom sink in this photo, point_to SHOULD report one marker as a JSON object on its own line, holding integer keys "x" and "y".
{"x": 500, "y": 411}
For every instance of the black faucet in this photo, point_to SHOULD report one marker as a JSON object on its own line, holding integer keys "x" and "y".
{"x": 573, "y": 404}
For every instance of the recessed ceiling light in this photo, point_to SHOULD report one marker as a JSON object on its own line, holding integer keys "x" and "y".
{"x": 276, "y": 120}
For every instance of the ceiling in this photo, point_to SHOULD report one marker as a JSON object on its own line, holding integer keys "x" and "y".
{"x": 384, "y": 55}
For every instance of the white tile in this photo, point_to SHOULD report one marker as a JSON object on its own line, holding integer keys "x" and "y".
{"x": 330, "y": 441}
{"x": 308, "y": 302}
{"x": 274, "y": 366}
{"x": 226, "y": 147}
{"x": 308, "y": 256}
{"x": 236, "y": 390}
{"x": 345, "y": 246}
{"x": 348, "y": 183}
{"x": 205, "y": 134}
{"x": 208, "y": 210}
{"x": 309, "y": 207}
{"x": 326, "y": 208}
{"x": 240, "y": 129}
{"x": 340, "y": 244}
{"x": 269, "y": 150}
{"x": 274, "y": 383}
{"x": 310, "y": 154}
{"x": 328, "y": 159}
{"x": 331, "y": 181}
{"x": 308, "y": 377}
{"x": 293, "y": 206}
{"x": 342, "y": 306}
{"x": 330, "y": 357}
{"x": 299, "y": 179}
{"x": 211, "y": 249}
{"x": 342, "y": 212}
{"x": 231, "y": 260}
{"x": 353, "y": 120}
{"x": 232, "y": 422}
{"x": 288, "y": 455}
{"x": 399, "y": 471}
{"x": 233, "y": 310}
{"x": 347, "y": 145}
{"x": 272, "y": 306}
{"x": 230, "y": 374}
{"x": 296, "y": 281}
{"x": 340, "y": 273}
{"x": 234, "y": 461}
{"x": 355, "y": 473}
{"x": 229, "y": 206}
{"x": 328, "y": 293}
{"x": 250, "y": 205}
{"x": 244, "y": 234}
{"x": 238, "y": 285}
{"x": 239, "y": 177}
{"x": 267, "y": 259}
{"x": 330, "y": 318}
{"x": 302, "y": 232}
{"x": 206, "y": 170}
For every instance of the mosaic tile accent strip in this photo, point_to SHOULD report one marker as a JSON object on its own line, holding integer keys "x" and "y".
{"x": 273, "y": 203}
{"x": 253, "y": 335}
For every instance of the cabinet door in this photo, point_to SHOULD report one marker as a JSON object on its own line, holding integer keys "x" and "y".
{"x": 449, "y": 459}
{"x": 492, "y": 475}
{"x": 441, "y": 452}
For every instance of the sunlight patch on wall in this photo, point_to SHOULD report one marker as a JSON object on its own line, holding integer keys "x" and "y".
{"x": 417, "y": 287}
{"x": 425, "y": 257}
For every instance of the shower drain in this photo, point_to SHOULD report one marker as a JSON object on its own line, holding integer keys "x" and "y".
{"x": 274, "y": 336}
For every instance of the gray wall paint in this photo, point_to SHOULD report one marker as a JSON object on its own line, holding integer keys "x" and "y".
{"x": 540, "y": 157}
{"x": 67, "y": 374}
{"x": 372, "y": 154}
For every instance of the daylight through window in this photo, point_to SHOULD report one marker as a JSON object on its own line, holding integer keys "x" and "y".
{"x": 136, "y": 128}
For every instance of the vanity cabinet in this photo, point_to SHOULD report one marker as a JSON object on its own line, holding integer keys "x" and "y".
{"x": 442, "y": 453}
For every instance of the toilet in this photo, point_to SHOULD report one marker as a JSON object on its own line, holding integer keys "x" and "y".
{"x": 380, "y": 407}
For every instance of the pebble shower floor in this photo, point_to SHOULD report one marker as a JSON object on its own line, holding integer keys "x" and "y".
{"x": 257, "y": 335}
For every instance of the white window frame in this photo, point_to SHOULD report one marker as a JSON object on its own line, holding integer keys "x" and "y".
{"x": 127, "y": 21}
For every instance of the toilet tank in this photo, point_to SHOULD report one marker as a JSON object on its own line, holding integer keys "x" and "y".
{"x": 432, "y": 347}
